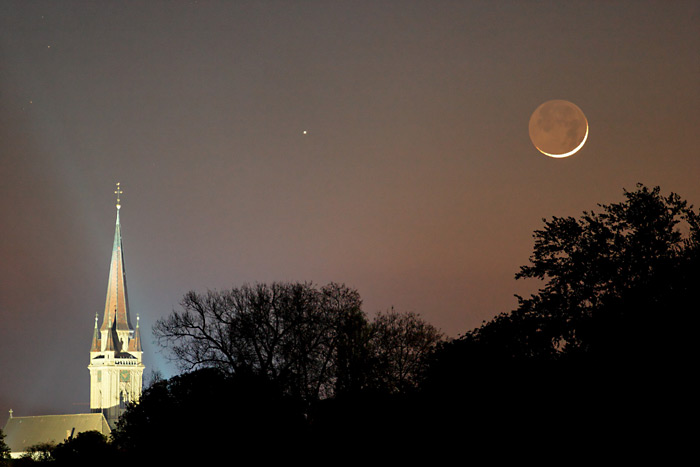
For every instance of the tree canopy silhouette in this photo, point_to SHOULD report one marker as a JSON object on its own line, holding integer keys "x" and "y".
{"x": 83, "y": 449}
{"x": 313, "y": 342}
{"x": 606, "y": 336}
{"x": 612, "y": 282}
{"x": 206, "y": 413}
{"x": 287, "y": 332}
{"x": 4, "y": 448}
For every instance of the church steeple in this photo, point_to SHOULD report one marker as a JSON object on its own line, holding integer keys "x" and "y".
{"x": 116, "y": 368}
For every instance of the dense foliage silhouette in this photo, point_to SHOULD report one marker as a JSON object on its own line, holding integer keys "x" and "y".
{"x": 208, "y": 413}
{"x": 4, "y": 449}
{"x": 604, "y": 341}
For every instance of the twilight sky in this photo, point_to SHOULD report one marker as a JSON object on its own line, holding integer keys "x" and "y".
{"x": 415, "y": 182}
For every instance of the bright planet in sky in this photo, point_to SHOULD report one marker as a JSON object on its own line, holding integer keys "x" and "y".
{"x": 558, "y": 128}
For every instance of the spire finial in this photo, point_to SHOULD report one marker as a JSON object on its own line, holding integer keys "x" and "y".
{"x": 118, "y": 192}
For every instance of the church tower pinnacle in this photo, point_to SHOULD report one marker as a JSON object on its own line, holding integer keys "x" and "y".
{"x": 116, "y": 369}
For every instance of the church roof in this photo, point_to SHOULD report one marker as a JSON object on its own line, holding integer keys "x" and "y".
{"x": 23, "y": 432}
{"x": 116, "y": 303}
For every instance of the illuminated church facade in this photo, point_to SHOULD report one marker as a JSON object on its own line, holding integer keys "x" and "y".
{"x": 116, "y": 366}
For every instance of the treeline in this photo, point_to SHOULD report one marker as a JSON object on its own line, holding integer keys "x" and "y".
{"x": 291, "y": 370}
{"x": 313, "y": 342}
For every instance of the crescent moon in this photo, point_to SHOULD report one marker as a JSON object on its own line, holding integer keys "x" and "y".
{"x": 558, "y": 128}
{"x": 570, "y": 153}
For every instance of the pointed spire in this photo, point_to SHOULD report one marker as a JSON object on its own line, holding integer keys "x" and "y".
{"x": 96, "y": 338}
{"x": 135, "y": 343}
{"x": 113, "y": 343}
{"x": 109, "y": 346}
{"x": 116, "y": 303}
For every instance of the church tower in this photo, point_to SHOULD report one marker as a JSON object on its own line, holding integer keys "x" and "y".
{"x": 116, "y": 369}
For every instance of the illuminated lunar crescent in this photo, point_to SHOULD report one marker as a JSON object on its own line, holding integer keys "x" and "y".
{"x": 558, "y": 128}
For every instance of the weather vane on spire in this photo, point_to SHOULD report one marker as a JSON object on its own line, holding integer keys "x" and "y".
{"x": 118, "y": 192}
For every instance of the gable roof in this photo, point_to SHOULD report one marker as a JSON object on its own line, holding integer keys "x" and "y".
{"x": 23, "y": 432}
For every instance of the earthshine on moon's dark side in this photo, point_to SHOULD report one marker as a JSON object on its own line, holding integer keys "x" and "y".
{"x": 558, "y": 128}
